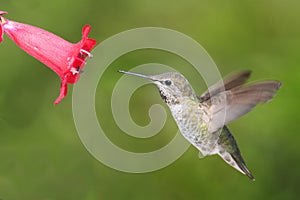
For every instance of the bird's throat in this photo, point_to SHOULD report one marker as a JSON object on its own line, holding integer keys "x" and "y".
{"x": 163, "y": 96}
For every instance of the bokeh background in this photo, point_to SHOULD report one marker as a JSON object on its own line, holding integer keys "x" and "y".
{"x": 42, "y": 156}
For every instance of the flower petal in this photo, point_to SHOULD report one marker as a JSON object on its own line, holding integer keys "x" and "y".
{"x": 2, "y": 21}
{"x": 3, "y": 12}
{"x": 1, "y": 33}
{"x": 63, "y": 91}
{"x": 87, "y": 43}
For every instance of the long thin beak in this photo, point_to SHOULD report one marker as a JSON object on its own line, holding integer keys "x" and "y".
{"x": 136, "y": 74}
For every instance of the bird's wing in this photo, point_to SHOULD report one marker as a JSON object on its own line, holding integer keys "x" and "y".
{"x": 230, "y": 82}
{"x": 229, "y": 105}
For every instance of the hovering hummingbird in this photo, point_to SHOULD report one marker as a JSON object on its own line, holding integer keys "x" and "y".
{"x": 202, "y": 119}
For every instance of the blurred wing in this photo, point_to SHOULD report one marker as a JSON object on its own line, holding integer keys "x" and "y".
{"x": 230, "y": 82}
{"x": 232, "y": 104}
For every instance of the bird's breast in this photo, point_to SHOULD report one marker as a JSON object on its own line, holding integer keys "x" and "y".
{"x": 192, "y": 120}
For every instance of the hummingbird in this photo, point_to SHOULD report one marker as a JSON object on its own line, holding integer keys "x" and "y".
{"x": 202, "y": 119}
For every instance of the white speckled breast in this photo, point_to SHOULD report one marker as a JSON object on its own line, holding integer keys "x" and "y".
{"x": 192, "y": 121}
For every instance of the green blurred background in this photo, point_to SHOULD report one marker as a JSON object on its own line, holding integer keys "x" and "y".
{"x": 42, "y": 156}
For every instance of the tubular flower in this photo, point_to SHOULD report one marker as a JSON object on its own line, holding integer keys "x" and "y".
{"x": 64, "y": 58}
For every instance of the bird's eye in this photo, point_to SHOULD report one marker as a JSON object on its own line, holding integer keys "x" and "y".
{"x": 168, "y": 82}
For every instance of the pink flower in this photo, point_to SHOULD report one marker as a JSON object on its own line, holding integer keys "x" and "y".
{"x": 64, "y": 58}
